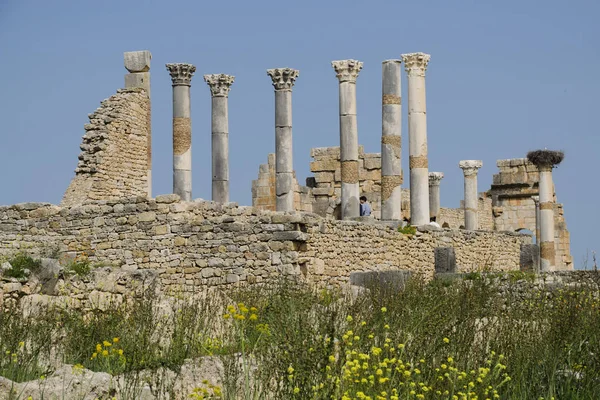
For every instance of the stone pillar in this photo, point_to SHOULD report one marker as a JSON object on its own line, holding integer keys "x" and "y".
{"x": 220, "y": 84}
{"x": 138, "y": 65}
{"x": 434, "y": 193}
{"x": 283, "y": 81}
{"x": 347, "y": 73}
{"x": 536, "y": 200}
{"x": 391, "y": 141}
{"x": 470, "y": 169}
{"x": 181, "y": 75}
{"x": 545, "y": 160}
{"x": 415, "y": 65}
{"x": 547, "y": 247}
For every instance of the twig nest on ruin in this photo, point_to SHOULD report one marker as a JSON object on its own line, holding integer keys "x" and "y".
{"x": 545, "y": 157}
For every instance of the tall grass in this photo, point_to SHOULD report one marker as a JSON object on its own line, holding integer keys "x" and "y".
{"x": 487, "y": 337}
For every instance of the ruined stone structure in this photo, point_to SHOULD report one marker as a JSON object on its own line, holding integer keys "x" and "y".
{"x": 113, "y": 162}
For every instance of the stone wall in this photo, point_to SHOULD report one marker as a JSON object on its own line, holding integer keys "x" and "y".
{"x": 514, "y": 209}
{"x": 454, "y": 218}
{"x": 113, "y": 162}
{"x": 194, "y": 244}
{"x": 263, "y": 189}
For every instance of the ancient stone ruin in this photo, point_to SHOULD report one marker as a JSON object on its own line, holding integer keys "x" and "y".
{"x": 309, "y": 231}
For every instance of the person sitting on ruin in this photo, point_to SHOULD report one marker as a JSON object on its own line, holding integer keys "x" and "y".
{"x": 432, "y": 222}
{"x": 365, "y": 207}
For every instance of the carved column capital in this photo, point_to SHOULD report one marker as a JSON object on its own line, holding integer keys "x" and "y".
{"x": 181, "y": 73}
{"x": 435, "y": 178}
{"x": 219, "y": 84}
{"x": 416, "y": 63}
{"x": 283, "y": 78}
{"x": 536, "y": 200}
{"x": 470, "y": 167}
{"x": 347, "y": 70}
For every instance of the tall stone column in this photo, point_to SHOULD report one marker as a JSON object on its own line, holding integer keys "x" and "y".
{"x": 536, "y": 200}
{"x": 283, "y": 81}
{"x": 137, "y": 64}
{"x": 545, "y": 160}
{"x": 470, "y": 169}
{"x": 347, "y": 73}
{"x": 220, "y": 84}
{"x": 181, "y": 76}
{"x": 434, "y": 193}
{"x": 391, "y": 141}
{"x": 415, "y": 65}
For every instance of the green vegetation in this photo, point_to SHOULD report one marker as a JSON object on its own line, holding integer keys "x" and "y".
{"x": 22, "y": 265}
{"x": 466, "y": 339}
{"x": 407, "y": 230}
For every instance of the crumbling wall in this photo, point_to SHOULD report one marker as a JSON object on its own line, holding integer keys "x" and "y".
{"x": 113, "y": 162}
{"x": 514, "y": 209}
{"x": 198, "y": 244}
{"x": 454, "y": 218}
{"x": 263, "y": 189}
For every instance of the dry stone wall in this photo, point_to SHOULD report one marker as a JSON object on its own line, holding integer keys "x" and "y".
{"x": 454, "y": 218}
{"x": 113, "y": 162}
{"x": 198, "y": 244}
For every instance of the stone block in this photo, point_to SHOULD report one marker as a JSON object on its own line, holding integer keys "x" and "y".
{"x": 393, "y": 280}
{"x": 147, "y": 216}
{"x": 325, "y": 191}
{"x": 320, "y": 152}
{"x": 529, "y": 258}
{"x": 294, "y": 236}
{"x": 167, "y": 198}
{"x": 325, "y": 165}
{"x": 445, "y": 260}
{"x": 323, "y": 177}
{"x": 137, "y": 61}
{"x": 372, "y": 163}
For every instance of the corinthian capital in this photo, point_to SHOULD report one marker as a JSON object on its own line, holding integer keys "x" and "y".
{"x": 416, "y": 63}
{"x": 181, "y": 74}
{"x": 347, "y": 70}
{"x": 470, "y": 167}
{"x": 283, "y": 78}
{"x": 219, "y": 84}
{"x": 435, "y": 178}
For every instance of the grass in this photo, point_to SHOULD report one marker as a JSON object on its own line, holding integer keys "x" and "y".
{"x": 22, "y": 265}
{"x": 466, "y": 339}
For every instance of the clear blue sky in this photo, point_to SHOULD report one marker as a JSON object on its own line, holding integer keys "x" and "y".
{"x": 505, "y": 77}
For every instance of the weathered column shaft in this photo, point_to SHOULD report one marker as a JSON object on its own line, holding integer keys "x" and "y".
{"x": 283, "y": 81}
{"x": 347, "y": 73}
{"x": 470, "y": 169}
{"x": 138, "y": 65}
{"x": 435, "y": 179}
{"x": 547, "y": 249}
{"x": 391, "y": 141}
{"x": 181, "y": 75}
{"x": 415, "y": 65}
{"x": 536, "y": 200}
{"x": 220, "y": 85}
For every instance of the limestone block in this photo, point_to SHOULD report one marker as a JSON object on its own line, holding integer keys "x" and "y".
{"x": 137, "y": 61}
{"x": 167, "y": 198}
{"x": 445, "y": 260}
{"x": 323, "y": 177}
{"x": 325, "y": 165}
{"x": 372, "y": 163}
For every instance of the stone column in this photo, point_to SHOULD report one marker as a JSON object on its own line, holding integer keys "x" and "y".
{"x": 391, "y": 141}
{"x": 220, "y": 84}
{"x": 434, "y": 193}
{"x": 283, "y": 81}
{"x": 545, "y": 160}
{"x": 536, "y": 200}
{"x": 470, "y": 169}
{"x": 415, "y": 65}
{"x": 138, "y": 65}
{"x": 181, "y": 75}
{"x": 347, "y": 73}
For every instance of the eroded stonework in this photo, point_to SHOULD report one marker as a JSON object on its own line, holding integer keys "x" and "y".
{"x": 113, "y": 162}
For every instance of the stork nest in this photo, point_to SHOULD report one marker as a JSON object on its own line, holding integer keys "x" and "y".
{"x": 545, "y": 157}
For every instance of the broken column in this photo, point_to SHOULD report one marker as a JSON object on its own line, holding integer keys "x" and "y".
{"x": 137, "y": 64}
{"x": 470, "y": 169}
{"x": 434, "y": 193}
{"x": 536, "y": 200}
{"x": 545, "y": 160}
{"x": 220, "y": 84}
{"x": 181, "y": 76}
{"x": 283, "y": 81}
{"x": 391, "y": 141}
{"x": 347, "y": 73}
{"x": 415, "y": 65}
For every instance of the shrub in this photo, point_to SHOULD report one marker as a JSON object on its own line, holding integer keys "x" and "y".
{"x": 407, "y": 230}
{"x": 22, "y": 265}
